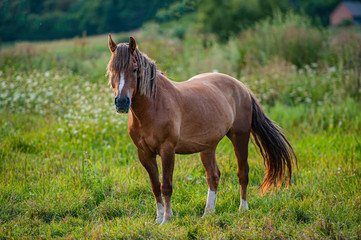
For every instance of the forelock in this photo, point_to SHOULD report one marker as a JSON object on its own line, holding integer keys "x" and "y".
{"x": 120, "y": 60}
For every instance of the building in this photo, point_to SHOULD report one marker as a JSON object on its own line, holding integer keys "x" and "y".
{"x": 346, "y": 12}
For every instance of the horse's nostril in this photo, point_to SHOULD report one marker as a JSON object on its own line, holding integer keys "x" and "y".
{"x": 122, "y": 100}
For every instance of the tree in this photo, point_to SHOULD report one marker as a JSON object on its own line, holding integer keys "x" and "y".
{"x": 228, "y": 17}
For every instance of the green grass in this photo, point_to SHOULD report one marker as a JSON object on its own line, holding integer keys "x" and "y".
{"x": 69, "y": 169}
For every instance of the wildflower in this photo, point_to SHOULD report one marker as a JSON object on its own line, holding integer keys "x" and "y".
{"x": 16, "y": 96}
{"x": 331, "y": 69}
{"x": 47, "y": 74}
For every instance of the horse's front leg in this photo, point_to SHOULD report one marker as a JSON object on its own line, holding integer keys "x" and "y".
{"x": 149, "y": 162}
{"x": 167, "y": 155}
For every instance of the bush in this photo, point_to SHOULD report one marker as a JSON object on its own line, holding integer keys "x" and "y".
{"x": 288, "y": 36}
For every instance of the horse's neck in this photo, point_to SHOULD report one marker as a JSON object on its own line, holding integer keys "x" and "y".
{"x": 143, "y": 107}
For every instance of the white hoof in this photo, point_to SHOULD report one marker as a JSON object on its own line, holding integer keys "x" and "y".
{"x": 160, "y": 213}
{"x": 244, "y": 205}
{"x": 159, "y": 219}
{"x": 166, "y": 220}
{"x": 211, "y": 203}
{"x": 207, "y": 212}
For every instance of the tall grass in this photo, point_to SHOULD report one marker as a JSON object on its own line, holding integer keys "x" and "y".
{"x": 279, "y": 56}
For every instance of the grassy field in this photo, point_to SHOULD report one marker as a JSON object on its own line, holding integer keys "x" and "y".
{"x": 69, "y": 169}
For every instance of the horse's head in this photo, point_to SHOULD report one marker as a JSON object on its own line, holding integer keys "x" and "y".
{"x": 123, "y": 72}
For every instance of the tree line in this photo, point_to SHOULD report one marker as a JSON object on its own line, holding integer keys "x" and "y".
{"x": 54, "y": 19}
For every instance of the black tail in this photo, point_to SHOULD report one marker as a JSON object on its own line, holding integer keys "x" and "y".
{"x": 276, "y": 150}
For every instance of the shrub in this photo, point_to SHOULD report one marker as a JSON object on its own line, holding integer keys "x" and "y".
{"x": 288, "y": 36}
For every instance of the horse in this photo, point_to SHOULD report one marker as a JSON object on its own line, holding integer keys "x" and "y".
{"x": 168, "y": 118}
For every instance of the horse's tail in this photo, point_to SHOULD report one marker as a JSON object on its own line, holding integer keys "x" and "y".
{"x": 276, "y": 150}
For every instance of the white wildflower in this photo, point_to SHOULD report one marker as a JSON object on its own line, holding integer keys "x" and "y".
{"x": 331, "y": 69}
{"x": 16, "y": 96}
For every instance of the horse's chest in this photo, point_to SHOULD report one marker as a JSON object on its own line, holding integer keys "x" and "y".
{"x": 143, "y": 138}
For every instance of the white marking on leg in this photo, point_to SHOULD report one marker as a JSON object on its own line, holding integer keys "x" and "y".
{"x": 211, "y": 202}
{"x": 168, "y": 214}
{"x": 121, "y": 83}
{"x": 244, "y": 205}
{"x": 160, "y": 212}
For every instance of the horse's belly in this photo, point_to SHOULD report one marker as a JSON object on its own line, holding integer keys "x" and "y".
{"x": 198, "y": 139}
{"x": 189, "y": 147}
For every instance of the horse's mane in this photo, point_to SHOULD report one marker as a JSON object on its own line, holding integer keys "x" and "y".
{"x": 147, "y": 69}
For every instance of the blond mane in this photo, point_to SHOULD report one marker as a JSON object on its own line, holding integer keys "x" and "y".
{"x": 147, "y": 69}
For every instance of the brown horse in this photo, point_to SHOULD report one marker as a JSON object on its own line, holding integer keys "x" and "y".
{"x": 193, "y": 116}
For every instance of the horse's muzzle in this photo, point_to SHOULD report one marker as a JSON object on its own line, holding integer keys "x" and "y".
{"x": 122, "y": 104}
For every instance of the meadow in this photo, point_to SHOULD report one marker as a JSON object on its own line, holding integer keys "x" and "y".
{"x": 69, "y": 169}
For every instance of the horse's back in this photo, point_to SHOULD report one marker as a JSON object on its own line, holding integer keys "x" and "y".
{"x": 224, "y": 82}
{"x": 212, "y": 104}
{"x": 235, "y": 91}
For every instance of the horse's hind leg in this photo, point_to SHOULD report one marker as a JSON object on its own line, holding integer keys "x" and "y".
{"x": 208, "y": 158}
{"x": 240, "y": 143}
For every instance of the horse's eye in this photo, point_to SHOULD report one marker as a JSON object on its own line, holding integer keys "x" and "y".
{"x": 134, "y": 70}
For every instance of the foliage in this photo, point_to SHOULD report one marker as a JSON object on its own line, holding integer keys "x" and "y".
{"x": 319, "y": 11}
{"x": 226, "y": 18}
{"x": 288, "y": 36}
{"x": 175, "y": 11}
{"x": 52, "y": 19}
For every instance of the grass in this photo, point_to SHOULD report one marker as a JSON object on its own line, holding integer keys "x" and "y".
{"x": 69, "y": 169}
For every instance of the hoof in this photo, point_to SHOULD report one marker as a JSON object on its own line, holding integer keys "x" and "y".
{"x": 166, "y": 220}
{"x": 159, "y": 220}
{"x": 243, "y": 206}
{"x": 207, "y": 213}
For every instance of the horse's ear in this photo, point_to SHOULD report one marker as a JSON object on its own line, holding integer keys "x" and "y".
{"x": 111, "y": 43}
{"x": 132, "y": 45}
